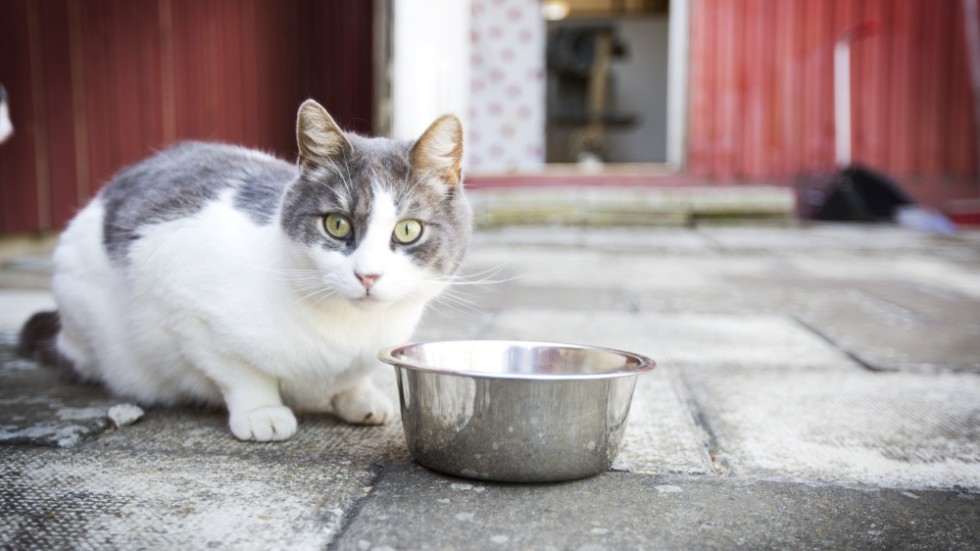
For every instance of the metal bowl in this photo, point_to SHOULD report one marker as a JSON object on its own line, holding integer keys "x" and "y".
{"x": 514, "y": 411}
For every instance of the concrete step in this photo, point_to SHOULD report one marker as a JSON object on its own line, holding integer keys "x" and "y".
{"x": 682, "y": 206}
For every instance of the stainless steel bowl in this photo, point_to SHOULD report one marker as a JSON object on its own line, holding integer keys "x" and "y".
{"x": 514, "y": 411}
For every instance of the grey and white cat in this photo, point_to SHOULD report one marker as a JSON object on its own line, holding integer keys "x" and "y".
{"x": 216, "y": 274}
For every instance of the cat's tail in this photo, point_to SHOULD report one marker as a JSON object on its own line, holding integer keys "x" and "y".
{"x": 37, "y": 340}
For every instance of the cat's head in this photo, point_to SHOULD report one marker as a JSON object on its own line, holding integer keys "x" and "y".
{"x": 380, "y": 220}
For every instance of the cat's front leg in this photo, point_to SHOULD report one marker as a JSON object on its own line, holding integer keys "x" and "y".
{"x": 362, "y": 404}
{"x": 255, "y": 410}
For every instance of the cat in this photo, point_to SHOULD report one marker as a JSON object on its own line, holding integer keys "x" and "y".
{"x": 215, "y": 274}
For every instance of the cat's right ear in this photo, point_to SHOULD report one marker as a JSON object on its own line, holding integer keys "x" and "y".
{"x": 319, "y": 138}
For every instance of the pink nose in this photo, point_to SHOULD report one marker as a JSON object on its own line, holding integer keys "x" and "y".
{"x": 367, "y": 280}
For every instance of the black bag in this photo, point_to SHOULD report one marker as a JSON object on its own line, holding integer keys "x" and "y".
{"x": 854, "y": 194}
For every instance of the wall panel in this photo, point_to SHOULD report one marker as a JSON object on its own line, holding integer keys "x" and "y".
{"x": 98, "y": 84}
{"x": 762, "y": 92}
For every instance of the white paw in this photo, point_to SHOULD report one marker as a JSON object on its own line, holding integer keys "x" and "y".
{"x": 263, "y": 424}
{"x": 362, "y": 405}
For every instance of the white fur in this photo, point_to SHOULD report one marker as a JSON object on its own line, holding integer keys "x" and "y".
{"x": 6, "y": 127}
{"x": 212, "y": 308}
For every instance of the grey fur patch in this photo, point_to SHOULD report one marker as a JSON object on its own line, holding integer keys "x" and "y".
{"x": 346, "y": 187}
{"x": 181, "y": 181}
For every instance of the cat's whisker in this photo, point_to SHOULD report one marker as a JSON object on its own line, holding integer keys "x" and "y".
{"x": 454, "y": 301}
{"x": 453, "y": 308}
{"x": 321, "y": 293}
{"x": 325, "y": 296}
{"x": 482, "y": 277}
{"x": 350, "y": 180}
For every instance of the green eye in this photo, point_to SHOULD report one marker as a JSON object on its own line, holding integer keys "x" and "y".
{"x": 337, "y": 225}
{"x": 407, "y": 231}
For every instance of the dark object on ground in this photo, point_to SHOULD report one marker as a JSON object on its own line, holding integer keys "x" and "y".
{"x": 858, "y": 194}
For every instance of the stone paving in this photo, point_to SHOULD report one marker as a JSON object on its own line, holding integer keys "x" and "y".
{"x": 818, "y": 387}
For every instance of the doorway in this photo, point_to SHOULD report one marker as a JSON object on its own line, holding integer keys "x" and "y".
{"x": 607, "y": 81}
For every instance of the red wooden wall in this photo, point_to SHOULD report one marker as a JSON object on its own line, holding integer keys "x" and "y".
{"x": 97, "y": 84}
{"x": 761, "y": 84}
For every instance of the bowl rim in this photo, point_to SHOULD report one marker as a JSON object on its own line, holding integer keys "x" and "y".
{"x": 387, "y": 355}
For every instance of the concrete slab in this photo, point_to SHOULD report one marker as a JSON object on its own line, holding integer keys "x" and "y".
{"x": 527, "y": 236}
{"x": 607, "y": 239}
{"x": 754, "y": 239}
{"x": 845, "y": 427}
{"x": 678, "y": 339}
{"x": 661, "y": 435}
{"x": 16, "y": 306}
{"x": 885, "y": 335}
{"x": 411, "y": 508}
{"x": 24, "y": 280}
{"x": 467, "y": 320}
{"x": 646, "y": 240}
{"x": 79, "y": 499}
{"x": 37, "y": 407}
{"x": 917, "y": 269}
{"x": 320, "y": 438}
{"x": 490, "y": 300}
{"x": 881, "y": 238}
{"x": 631, "y": 271}
{"x": 930, "y": 304}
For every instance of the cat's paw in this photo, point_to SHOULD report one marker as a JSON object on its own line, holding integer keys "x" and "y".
{"x": 263, "y": 424}
{"x": 363, "y": 405}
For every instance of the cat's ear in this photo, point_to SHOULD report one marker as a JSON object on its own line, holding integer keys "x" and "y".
{"x": 319, "y": 138}
{"x": 440, "y": 150}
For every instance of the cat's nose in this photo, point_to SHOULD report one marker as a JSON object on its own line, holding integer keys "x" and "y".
{"x": 367, "y": 280}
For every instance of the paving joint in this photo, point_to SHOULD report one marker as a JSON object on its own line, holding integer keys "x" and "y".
{"x": 854, "y": 356}
{"x": 713, "y": 456}
{"x": 350, "y": 516}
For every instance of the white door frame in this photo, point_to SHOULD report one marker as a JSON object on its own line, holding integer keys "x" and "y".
{"x": 678, "y": 65}
{"x": 430, "y": 64}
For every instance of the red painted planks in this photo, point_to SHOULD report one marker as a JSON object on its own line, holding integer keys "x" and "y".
{"x": 787, "y": 72}
{"x": 960, "y": 160}
{"x": 18, "y": 191}
{"x": 748, "y": 92}
{"x": 96, "y": 84}
{"x": 869, "y": 105}
{"x": 58, "y": 105}
{"x": 249, "y": 75}
{"x": 99, "y": 108}
{"x": 911, "y": 105}
{"x": 814, "y": 64}
{"x": 150, "y": 100}
{"x": 935, "y": 30}
{"x": 699, "y": 86}
{"x": 126, "y": 86}
{"x": 727, "y": 99}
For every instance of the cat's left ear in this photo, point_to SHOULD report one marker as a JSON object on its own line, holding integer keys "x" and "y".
{"x": 440, "y": 150}
{"x": 319, "y": 138}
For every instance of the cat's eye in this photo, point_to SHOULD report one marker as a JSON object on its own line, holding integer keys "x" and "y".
{"x": 407, "y": 231}
{"x": 337, "y": 225}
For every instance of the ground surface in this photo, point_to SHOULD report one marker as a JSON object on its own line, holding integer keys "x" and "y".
{"x": 817, "y": 388}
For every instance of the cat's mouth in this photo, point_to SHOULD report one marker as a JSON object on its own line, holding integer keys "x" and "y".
{"x": 367, "y": 300}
